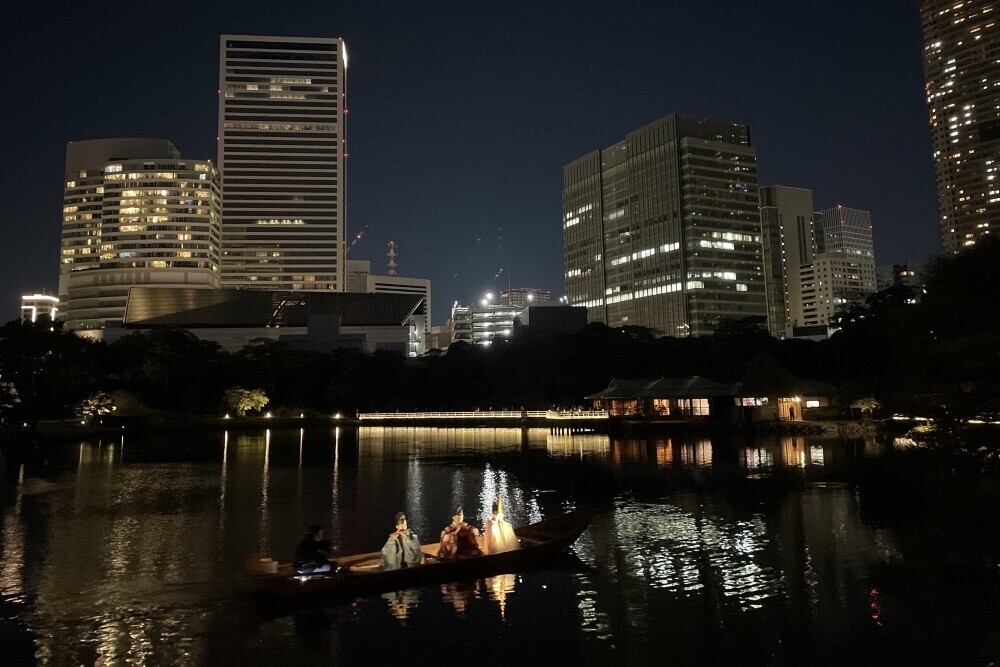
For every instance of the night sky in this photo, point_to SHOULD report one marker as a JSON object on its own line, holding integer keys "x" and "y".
{"x": 462, "y": 114}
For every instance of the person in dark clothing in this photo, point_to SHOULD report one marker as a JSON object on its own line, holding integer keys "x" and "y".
{"x": 312, "y": 553}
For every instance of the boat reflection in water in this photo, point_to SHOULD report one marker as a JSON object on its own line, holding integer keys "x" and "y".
{"x": 664, "y": 452}
{"x": 499, "y": 587}
{"x": 402, "y": 603}
{"x": 461, "y": 595}
{"x": 793, "y": 451}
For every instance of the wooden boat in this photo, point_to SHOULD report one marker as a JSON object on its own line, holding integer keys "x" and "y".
{"x": 360, "y": 575}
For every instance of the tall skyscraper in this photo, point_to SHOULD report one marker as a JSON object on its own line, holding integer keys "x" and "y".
{"x": 962, "y": 70}
{"x": 134, "y": 213}
{"x": 282, "y": 148}
{"x": 662, "y": 230}
{"x": 786, "y": 216}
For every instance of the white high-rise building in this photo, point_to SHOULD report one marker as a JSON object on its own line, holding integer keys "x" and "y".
{"x": 282, "y": 149}
{"x": 134, "y": 213}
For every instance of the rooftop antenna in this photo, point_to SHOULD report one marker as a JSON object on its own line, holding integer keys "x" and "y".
{"x": 391, "y": 264}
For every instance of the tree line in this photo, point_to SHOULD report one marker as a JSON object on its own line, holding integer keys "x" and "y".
{"x": 939, "y": 357}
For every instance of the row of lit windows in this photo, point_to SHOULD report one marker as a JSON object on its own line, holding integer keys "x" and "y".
{"x": 279, "y": 130}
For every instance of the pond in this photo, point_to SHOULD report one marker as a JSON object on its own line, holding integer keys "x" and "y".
{"x": 722, "y": 549}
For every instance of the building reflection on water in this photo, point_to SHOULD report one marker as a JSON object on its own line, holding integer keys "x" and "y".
{"x": 127, "y": 552}
{"x": 803, "y": 561}
{"x": 688, "y": 452}
{"x": 382, "y": 441}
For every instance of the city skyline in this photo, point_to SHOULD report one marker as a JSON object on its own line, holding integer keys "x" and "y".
{"x": 461, "y": 123}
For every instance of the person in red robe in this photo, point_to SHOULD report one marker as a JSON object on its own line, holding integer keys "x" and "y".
{"x": 459, "y": 539}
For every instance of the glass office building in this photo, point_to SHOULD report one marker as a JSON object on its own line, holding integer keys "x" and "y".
{"x": 662, "y": 229}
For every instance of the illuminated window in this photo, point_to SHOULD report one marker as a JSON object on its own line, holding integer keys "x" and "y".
{"x": 693, "y": 406}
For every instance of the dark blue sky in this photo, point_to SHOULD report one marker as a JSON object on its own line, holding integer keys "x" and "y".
{"x": 462, "y": 114}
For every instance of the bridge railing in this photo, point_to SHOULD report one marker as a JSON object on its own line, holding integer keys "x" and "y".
{"x": 484, "y": 414}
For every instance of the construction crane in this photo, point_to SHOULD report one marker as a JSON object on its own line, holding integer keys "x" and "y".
{"x": 357, "y": 239}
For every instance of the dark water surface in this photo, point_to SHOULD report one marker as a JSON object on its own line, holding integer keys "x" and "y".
{"x": 722, "y": 551}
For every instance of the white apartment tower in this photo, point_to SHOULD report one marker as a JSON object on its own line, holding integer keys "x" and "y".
{"x": 282, "y": 149}
{"x": 962, "y": 73}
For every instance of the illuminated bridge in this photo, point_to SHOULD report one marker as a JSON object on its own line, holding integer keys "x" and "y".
{"x": 486, "y": 415}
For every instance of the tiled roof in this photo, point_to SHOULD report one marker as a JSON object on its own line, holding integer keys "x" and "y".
{"x": 700, "y": 387}
{"x": 153, "y": 307}
{"x": 690, "y": 387}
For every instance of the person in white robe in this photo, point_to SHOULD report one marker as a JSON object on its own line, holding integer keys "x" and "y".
{"x": 498, "y": 533}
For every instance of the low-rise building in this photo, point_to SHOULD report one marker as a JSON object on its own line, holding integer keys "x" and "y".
{"x": 523, "y": 296}
{"x": 316, "y": 320}
{"x": 553, "y": 317}
{"x": 35, "y": 307}
{"x": 481, "y": 325}
{"x": 700, "y": 399}
{"x": 358, "y": 278}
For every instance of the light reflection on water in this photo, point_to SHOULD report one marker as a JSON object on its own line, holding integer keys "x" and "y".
{"x": 111, "y": 560}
